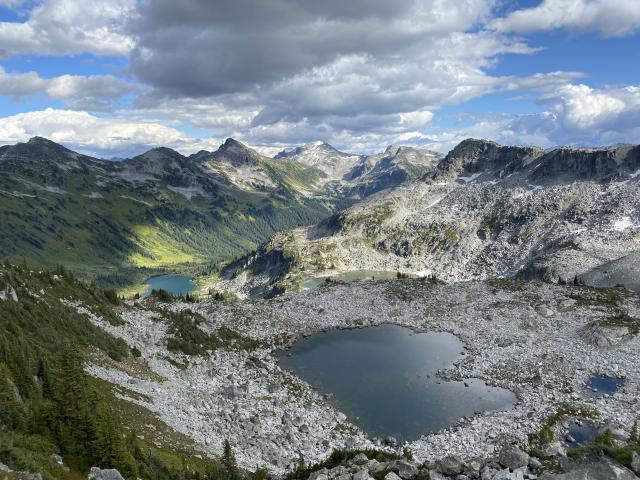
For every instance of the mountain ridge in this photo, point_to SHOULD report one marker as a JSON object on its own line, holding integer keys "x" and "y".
{"x": 156, "y": 211}
{"x": 484, "y": 211}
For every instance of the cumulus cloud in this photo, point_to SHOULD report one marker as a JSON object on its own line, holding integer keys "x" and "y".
{"x": 63, "y": 27}
{"x": 240, "y": 44}
{"x": 575, "y": 115}
{"x": 360, "y": 74}
{"x": 309, "y": 69}
{"x": 612, "y": 18}
{"x": 97, "y": 136}
{"x": 581, "y": 107}
{"x": 94, "y": 92}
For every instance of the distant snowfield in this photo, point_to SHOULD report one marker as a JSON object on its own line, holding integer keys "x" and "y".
{"x": 622, "y": 224}
{"x": 470, "y": 178}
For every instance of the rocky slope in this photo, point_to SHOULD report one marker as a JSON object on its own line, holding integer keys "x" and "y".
{"x": 363, "y": 175}
{"x": 541, "y": 341}
{"x": 510, "y": 464}
{"x": 485, "y": 211}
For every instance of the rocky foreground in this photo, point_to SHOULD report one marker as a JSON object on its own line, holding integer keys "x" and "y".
{"x": 541, "y": 341}
{"x": 510, "y": 464}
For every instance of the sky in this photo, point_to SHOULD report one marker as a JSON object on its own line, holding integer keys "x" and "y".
{"x": 115, "y": 78}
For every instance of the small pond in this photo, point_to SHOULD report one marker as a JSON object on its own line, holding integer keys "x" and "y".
{"x": 383, "y": 378}
{"x": 348, "y": 277}
{"x": 581, "y": 432}
{"x": 599, "y": 385}
{"x": 174, "y": 284}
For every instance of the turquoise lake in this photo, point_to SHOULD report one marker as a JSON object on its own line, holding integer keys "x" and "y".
{"x": 174, "y": 284}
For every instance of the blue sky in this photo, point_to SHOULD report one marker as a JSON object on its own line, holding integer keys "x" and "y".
{"x": 112, "y": 79}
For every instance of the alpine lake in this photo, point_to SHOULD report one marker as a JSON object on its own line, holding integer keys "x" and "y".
{"x": 173, "y": 284}
{"x": 384, "y": 378}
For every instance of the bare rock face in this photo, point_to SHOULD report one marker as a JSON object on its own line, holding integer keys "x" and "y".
{"x": 104, "y": 474}
{"x": 8, "y": 294}
{"x": 623, "y": 271}
{"x": 604, "y": 336}
{"x": 513, "y": 458}
{"x": 599, "y": 468}
{"x": 235, "y": 153}
{"x": 472, "y": 156}
{"x": 450, "y": 465}
{"x": 635, "y": 463}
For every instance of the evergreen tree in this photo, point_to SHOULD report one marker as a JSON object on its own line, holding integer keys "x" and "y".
{"x": 110, "y": 448}
{"x": 76, "y": 425}
{"x": 229, "y": 462}
{"x": 12, "y": 411}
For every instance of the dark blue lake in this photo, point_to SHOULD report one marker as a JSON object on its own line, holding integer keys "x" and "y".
{"x": 383, "y": 379}
{"x": 582, "y": 433}
{"x": 174, "y": 284}
{"x": 599, "y": 385}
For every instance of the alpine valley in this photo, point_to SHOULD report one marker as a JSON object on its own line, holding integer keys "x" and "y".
{"x": 518, "y": 264}
{"x": 117, "y": 222}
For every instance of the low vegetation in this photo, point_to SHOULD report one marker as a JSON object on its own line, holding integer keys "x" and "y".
{"x": 187, "y": 337}
{"x": 49, "y": 405}
{"x": 605, "y": 444}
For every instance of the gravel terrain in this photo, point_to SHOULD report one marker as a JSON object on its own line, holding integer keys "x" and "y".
{"x": 542, "y": 341}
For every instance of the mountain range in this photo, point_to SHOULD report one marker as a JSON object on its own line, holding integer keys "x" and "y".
{"x": 116, "y": 222}
{"x": 164, "y": 387}
{"x": 483, "y": 211}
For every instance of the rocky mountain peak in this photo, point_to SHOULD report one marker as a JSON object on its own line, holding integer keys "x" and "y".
{"x": 318, "y": 147}
{"x": 472, "y": 147}
{"x": 161, "y": 152}
{"x": 232, "y": 143}
{"x": 473, "y": 156}
{"x": 317, "y": 143}
{"x": 392, "y": 150}
{"x": 43, "y": 149}
{"x": 42, "y": 141}
{"x": 236, "y": 153}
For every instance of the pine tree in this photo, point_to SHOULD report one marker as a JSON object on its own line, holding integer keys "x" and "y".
{"x": 76, "y": 422}
{"x": 109, "y": 446}
{"x": 229, "y": 462}
{"x": 12, "y": 410}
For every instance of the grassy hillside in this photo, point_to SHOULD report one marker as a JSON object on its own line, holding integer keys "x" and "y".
{"x": 49, "y": 405}
{"x": 118, "y": 223}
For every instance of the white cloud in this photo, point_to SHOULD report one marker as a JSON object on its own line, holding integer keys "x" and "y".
{"x": 231, "y": 46}
{"x": 63, "y": 27}
{"x": 581, "y": 107}
{"x": 98, "y": 136}
{"x": 21, "y": 84}
{"x": 576, "y": 115}
{"x": 94, "y": 92}
{"x": 359, "y": 74}
{"x": 309, "y": 69}
{"x": 612, "y": 18}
